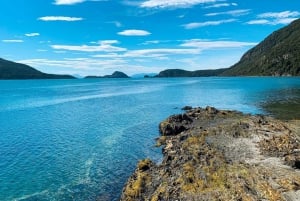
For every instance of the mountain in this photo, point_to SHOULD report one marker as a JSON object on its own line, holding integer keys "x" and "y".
{"x": 185, "y": 73}
{"x": 277, "y": 55}
{"x": 12, "y": 70}
{"x": 116, "y": 74}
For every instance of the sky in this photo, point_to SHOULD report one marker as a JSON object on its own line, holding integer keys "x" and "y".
{"x": 98, "y": 37}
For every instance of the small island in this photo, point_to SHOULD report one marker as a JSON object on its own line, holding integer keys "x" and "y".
{"x": 116, "y": 74}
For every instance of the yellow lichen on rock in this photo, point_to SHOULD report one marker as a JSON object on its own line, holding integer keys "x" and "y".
{"x": 211, "y": 154}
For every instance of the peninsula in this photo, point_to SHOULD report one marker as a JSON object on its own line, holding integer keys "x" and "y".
{"x": 211, "y": 154}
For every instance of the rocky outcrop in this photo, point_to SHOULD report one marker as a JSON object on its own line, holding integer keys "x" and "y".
{"x": 211, "y": 154}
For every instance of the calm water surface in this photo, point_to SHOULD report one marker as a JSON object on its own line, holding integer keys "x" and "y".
{"x": 81, "y": 139}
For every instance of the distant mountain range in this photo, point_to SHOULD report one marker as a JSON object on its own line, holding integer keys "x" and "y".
{"x": 12, "y": 70}
{"x": 116, "y": 74}
{"x": 277, "y": 55}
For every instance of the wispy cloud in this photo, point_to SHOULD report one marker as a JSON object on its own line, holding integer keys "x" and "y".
{"x": 151, "y": 42}
{"x": 219, "y": 5}
{"x": 205, "y": 45}
{"x": 173, "y": 3}
{"x": 275, "y": 18}
{"x": 261, "y": 21}
{"x": 284, "y": 14}
{"x": 195, "y": 25}
{"x": 75, "y": 63}
{"x": 160, "y": 52}
{"x": 91, "y": 66}
{"x": 103, "y": 46}
{"x": 12, "y": 41}
{"x": 60, "y": 18}
{"x": 156, "y": 54}
{"x": 232, "y": 13}
{"x": 116, "y": 23}
{"x": 72, "y": 2}
{"x": 68, "y": 2}
{"x": 32, "y": 34}
{"x": 187, "y": 47}
{"x": 134, "y": 32}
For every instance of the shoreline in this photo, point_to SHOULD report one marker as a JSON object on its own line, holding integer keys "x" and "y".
{"x": 211, "y": 154}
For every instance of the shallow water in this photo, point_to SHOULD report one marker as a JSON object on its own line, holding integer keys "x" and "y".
{"x": 81, "y": 139}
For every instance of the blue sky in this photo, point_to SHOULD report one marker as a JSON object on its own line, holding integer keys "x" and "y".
{"x": 97, "y": 37}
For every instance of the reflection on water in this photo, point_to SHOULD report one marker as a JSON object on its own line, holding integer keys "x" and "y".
{"x": 284, "y": 104}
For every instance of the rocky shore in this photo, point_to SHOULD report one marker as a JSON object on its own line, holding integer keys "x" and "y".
{"x": 211, "y": 154}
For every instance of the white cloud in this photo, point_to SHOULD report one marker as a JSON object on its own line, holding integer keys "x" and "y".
{"x": 72, "y": 2}
{"x": 12, "y": 41}
{"x": 275, "y": 18}
{"x": 74, "y": 63}
{"x": 160, "y": 52}
{"x": 134, "y": 32}
{"x": 173, "y": 3}
{"x": 67, "y": 2}
{"x": 205, "y": 45}
{"x": 116, "y": 23}
{"x": 90, "y": 66}
{"x": 262, "y": 21}
{"x": 284, "y": 21}
{"x": 195, "y": 25}
{"x": 104, "y": 46}
{"x": 219, "y": 5}
{"x": 284, "y": 14}
{"x": 151, "y": 53}
{"x": 232, "y": 12}
{"x": 60, "y": 18}
{"x": 151, "y": 42}
{"x": 188, "y": 47}
{"x": 43, "y": 42}
{"x": 32, "y": 34}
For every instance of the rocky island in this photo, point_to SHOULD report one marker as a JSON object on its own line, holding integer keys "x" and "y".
{"x": 211, "y": 154}
{"x": 116, "y": 74}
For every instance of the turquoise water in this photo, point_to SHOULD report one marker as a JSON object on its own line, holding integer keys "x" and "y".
{"x": 81, "y": 139}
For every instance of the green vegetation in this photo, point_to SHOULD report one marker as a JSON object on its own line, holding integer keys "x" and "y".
{"x": 277, "y": 55}
{"x": 12, "y": 70}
